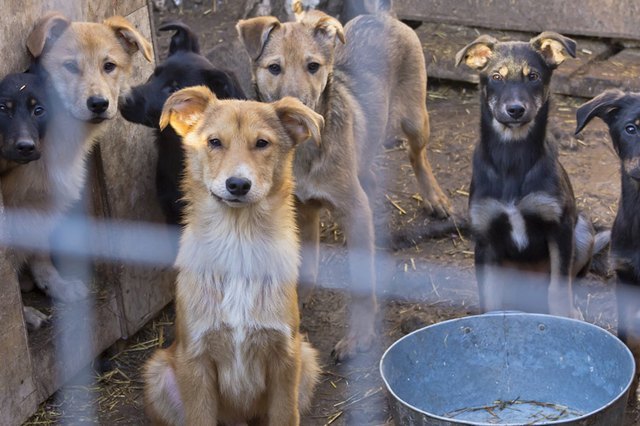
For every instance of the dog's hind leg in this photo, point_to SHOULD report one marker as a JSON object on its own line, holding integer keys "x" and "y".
{"x": 584, "y": 238}
{"x": 52, "y": 284}
{"x": 354, "y": 214}
{"x": 34, "y": 318}
{"x": 162, "y": 396}
{"x": 308, "y": 216}
{"x": 417, "y": 131}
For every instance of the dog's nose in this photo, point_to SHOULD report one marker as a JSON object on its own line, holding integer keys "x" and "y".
{"x": 515, "y": 111}
{"x": 25, "y": 147}
{"x": 97, "y": 104}
{"x": 238, "y": 186}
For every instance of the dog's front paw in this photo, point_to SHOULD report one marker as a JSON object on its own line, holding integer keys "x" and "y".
{"x": 437, "y": 204}
{"x": 65, "y": 290}
{"x": 34, "y": 318}
{"x": 350, "y": 345}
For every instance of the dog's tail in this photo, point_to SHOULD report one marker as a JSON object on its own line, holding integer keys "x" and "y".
{"x": 309, "y": 375}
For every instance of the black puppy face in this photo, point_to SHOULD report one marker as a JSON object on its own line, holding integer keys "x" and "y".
{"x": 515, "y": 76}
{"x": 23, "y": 117}
{"x": 621, "y": 112}
{"x": 184, "y": 67}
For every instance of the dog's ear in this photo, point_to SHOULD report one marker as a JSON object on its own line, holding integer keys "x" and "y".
{"x": 183, "y": 40}
{"x": 476, "y": 54}
{"x": 131, "y": 39}
{"x": 224, "y": 84}
{"x": 299, "y": 121}
{"x": 554, "y": 47}
{"x": 185, "y": 108}
{"x": 255, "y": 32}
{"x": 47, "y": 29}
{"x": 604, "y": 106}
{"x": 322, "y": 24}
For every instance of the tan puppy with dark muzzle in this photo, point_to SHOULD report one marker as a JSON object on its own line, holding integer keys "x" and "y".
{"x": 238, "y": 354}
{"x": 85, "y": 66}
{"x": 370, "y": 86}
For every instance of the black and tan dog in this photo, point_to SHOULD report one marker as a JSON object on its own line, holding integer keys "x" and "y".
{"x": 621, "y": 112}
{"x": 184, "y": 67}
{"x": 23, "y": 119}
{"x": 521, "y": 204}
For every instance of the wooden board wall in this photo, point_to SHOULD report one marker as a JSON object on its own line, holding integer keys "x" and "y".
{"x": 599, "y": 18}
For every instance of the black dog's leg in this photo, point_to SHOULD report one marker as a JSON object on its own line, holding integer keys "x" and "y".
{"x": 561, "y": 248}
{"x": 627, "y": 292}
{"x": 490, "y": 281}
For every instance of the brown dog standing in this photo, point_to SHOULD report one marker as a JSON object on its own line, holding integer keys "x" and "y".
{"x": 370, "y": 86}
{"x": 85, "y": 66}
{"x": 238, "y": 354}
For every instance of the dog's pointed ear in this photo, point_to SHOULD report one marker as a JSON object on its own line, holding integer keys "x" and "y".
{"x": 322, "y": 24}
{"x": 47, "y": 29}
{"x": 183, "y": 40}
{"x": 130, "y": 38}
{"x": 476, "y": 54}
{"x": 299, "y": 121}
{"x": 184, "y": 109}
{"x": 255, "y": 32}
{"x": 554, "y": 47}
{"x": 604, "y": 106}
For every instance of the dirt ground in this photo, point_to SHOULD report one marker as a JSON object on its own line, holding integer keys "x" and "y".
{"x": 421, "y": 281}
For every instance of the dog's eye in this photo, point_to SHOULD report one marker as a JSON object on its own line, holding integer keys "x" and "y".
{"x": 108, "y": 67}
{"x": 533, "y": 76}
{"x": 3, "y": 108}
{"x": 496, "y": 76}
{"x": 275, "y": 69}
{"x": 38, "y": 111}
{"x": 72, "y": 67}
{"x": 631, "y": 129}
{"x": 215, "y": 143}
{"x": 262, "y": 143}
{"x": 313, "y": 67}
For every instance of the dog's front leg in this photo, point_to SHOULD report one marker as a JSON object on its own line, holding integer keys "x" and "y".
{"x": 48, "y": 280}
{"x": 308, "y": 215}
{"x": 490, "y": 280}
{"x": 196, "y": 379}
{"x": 284, "y": 379}
{"x": 560, "y": 296}
{"x": 357, "y": 221}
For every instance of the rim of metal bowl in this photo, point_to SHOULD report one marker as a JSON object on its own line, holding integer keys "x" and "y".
{"x": 504, "y": 314}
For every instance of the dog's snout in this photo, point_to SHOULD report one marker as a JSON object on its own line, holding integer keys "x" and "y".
{"x": 238, "y": 186}
{"x": 97, "y": 104}
{"x": 25, "y": 147}
{"x": 515, "y": 111}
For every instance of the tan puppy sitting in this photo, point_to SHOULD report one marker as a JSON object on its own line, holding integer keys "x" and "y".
{"x": 85, "y": 66}
{"x": 238, "y": 354}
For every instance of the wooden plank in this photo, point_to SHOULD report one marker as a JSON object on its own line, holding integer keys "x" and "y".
{"x": 600, "y": 18}
{"x": 441, "y": 42}
{"x": 128, "y": 158}
{"x": 18, "y": 398}
{"x": 79, "y": 333}
{"x": 619, "y": 71}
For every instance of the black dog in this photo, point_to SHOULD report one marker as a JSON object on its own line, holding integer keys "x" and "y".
{"x": 184, "y": 67}
{"x": 621, "y": 112}
{"x": 521, "y": 202}
{"x": 23, "y": 119}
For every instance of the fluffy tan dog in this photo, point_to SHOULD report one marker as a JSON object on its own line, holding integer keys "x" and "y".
{"x": 238, "y": 354}
{"x": 85, "y": 65}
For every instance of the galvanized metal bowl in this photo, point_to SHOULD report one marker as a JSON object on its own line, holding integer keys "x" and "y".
{"x": 508, "y": 368}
